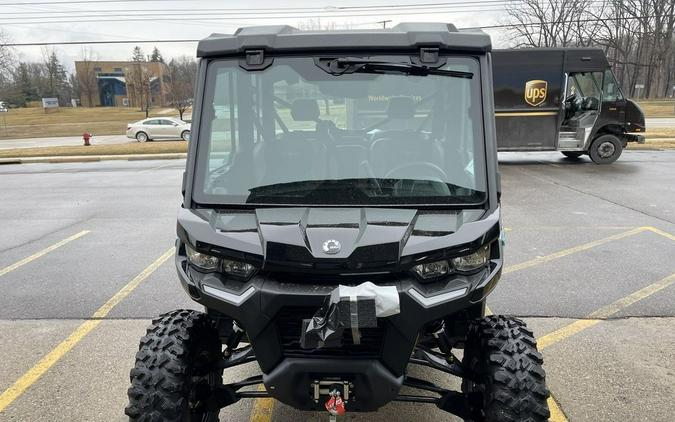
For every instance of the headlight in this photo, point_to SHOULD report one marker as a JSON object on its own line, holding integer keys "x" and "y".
{"x": 236, "y": 268}
{"x": 432, "y": 269}
{"x": 202, "y": 260}
{"x": 462, "y": 264}
{"x": 472, "y": 262}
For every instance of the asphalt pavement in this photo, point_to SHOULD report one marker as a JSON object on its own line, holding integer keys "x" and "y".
{"x": 590, "y": 265}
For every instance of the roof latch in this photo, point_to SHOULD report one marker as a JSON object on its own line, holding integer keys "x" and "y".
{"x": 428, "y": 55}
{"x": 255, "y": 60}
{"x": 255, "y": 57}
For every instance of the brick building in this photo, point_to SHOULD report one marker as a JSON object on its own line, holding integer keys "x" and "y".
{"x": 122, "y": 83}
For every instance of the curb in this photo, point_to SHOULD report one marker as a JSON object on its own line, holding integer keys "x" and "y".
{"x": 92, "y": 158}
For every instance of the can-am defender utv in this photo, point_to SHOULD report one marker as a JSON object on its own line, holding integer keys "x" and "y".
{"x": 336, "y": 242}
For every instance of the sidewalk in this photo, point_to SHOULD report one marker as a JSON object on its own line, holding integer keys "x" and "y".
{"x": 62, "y": 141}
{"x": 92, "y": 158}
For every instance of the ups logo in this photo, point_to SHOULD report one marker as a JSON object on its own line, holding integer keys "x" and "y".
{"x": 535, "y": 92}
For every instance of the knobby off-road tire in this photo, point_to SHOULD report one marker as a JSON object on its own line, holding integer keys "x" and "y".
{"x": 511, "y": 384}
{"x": 174, "y": 369}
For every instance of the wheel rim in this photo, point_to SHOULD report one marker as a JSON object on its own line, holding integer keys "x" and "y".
{"x": 186, "y": 136}
{"x": 606, "y": 149}
{"x": 141, "y": 137}
{"x": 201, "y": 386}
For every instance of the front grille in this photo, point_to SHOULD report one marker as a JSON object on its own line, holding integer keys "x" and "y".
{"x": 289, "y": 324}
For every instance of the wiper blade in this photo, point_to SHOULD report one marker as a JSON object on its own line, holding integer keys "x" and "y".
{"x": 347, "y": 65}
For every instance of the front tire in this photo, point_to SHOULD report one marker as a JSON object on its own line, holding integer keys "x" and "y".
{"x": 605, "y": 149}
{"x": 174, "y": 371}
{"x": 185, "y": 135}
{"x": 511, "y": 383}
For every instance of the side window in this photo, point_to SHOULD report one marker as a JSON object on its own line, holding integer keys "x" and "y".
{"x": 152, "y": 122}
{"x": 221, "y": 119}
{"x": 610, "y": 88}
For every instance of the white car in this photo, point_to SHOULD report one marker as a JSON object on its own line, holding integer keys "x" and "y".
{"x": 158, "y": 128}
{"x": 3, "y": 107}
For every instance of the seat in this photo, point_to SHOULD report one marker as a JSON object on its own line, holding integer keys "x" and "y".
{"x": 394, "y": 148}
{"x": 301, "y": 152}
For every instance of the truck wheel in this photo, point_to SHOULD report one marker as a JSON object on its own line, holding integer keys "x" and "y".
{"x": 605, "y": 149}
{"x": 175, "y": 369}
{"x": 572, "y": 154}
{"x": 510, "y": 383}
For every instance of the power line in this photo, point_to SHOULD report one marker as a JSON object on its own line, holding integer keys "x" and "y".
{"x": 178, "y": 41}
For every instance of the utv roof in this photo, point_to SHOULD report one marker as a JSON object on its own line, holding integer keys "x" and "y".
{"x": 287, "y": 39}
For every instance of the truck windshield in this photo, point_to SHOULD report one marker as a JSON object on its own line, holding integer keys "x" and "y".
{"x": 369, "y": 131}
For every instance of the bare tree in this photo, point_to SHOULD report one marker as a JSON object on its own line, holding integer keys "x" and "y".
{"x": 141, "y": 78}
{"x": 182, "y": 74}
{"x": 86, "y": 75}
{"x": 547, "y": 23}
{"x": 6, "y": 58}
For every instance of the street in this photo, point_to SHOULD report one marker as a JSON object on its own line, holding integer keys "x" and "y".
{"x": 590, "y": 266}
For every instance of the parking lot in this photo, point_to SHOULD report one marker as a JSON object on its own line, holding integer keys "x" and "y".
{"x": 85, "y": 262}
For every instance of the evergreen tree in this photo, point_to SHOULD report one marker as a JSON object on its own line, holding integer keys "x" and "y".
{"x": 156, "y": 56}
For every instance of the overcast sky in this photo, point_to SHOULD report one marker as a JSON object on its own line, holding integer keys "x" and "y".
{"x": 81, "y": 20}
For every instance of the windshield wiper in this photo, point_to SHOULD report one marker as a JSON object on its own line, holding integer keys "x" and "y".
{"x": 348, "y": 65}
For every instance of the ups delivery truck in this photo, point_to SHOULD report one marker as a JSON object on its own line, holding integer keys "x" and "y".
{"x": 564, "y": 99}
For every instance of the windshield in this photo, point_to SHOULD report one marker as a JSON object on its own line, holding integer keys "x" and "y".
{"x": 372, "y": 131}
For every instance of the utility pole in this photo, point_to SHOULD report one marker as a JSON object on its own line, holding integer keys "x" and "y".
{"x": 384, "y": 23}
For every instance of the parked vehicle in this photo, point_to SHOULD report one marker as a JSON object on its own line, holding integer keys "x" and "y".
{"x": 564, "y": 99}
{"x": 158, "y": 128}
{"x": 335, "y": 242}
{"x": 3, "y": 107}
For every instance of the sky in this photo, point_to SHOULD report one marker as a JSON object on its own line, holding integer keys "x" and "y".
{"x": 39, "y": 21}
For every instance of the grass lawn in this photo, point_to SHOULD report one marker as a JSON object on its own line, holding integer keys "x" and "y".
{"x": 120, "y": 149}
{"x": 68, "y": 121}
{"x": 658, "y": 108}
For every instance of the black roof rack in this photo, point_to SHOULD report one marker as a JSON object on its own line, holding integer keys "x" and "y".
{"x": 287, "y": 39}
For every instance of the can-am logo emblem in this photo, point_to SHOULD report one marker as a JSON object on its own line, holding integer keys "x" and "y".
{"x": 331, "y": 246}
{"x": 535, "y": 92}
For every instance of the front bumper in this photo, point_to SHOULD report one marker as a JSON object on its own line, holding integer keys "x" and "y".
{"x": 265, "y": 307}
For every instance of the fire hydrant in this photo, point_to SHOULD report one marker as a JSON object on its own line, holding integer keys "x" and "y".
{"x": 86, "y": 136}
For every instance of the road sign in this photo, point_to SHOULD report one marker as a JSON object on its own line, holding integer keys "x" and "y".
{"x": 50, "y": 102}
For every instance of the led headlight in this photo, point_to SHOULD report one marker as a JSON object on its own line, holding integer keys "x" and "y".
{"x": 472, "y": 262}
{"x": 202, "y": 260}
{"x": 432, "y": 269}
{"x": 237, "y": 268}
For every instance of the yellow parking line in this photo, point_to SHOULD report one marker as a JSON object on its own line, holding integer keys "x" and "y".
{"x": 557, "y": 414}
{"x": 661, "y": 232}
{"x": 604, "y": 312}
{"x": 43, "y": 252}
{"x": 40, "y": 368}
{"x": 573, "y": 250}
{"x": 262, "y": 408}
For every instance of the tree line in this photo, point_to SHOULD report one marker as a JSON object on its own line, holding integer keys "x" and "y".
{"x": 636, "y": 35}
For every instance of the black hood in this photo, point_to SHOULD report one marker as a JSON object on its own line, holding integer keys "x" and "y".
{"x": 635, "y": 118}
{"x": 312, "y": 238}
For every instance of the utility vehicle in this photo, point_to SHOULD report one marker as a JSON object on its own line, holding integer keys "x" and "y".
{"x": 345, "y": 248}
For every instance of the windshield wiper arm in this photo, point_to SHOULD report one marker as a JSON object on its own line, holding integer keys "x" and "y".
{"x": 347, "y": 65}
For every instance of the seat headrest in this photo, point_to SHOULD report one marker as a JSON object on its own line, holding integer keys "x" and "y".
{"x": 401, "y": 108}
{"x": 305, "y": 110}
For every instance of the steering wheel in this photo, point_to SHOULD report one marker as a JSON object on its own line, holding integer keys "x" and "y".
{"x": 439, "y": 174}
